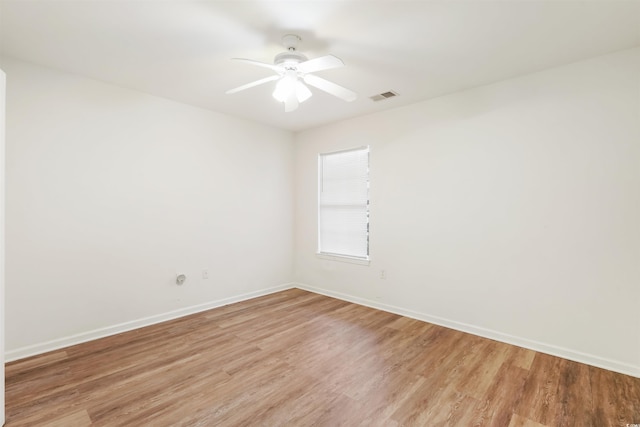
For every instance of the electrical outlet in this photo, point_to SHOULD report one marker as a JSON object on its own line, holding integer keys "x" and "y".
{"x": 205, "y": 274}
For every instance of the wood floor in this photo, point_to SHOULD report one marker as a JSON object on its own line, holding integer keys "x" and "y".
{"x": 295, "y": 358}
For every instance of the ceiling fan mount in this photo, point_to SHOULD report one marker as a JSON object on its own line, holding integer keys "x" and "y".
{"x": 291, "y": 56}
{"x": 291, "y": 41}
{"x": 294, "y": 71}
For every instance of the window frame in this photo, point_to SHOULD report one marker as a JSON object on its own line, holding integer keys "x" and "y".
{"x": 364, "y": 260}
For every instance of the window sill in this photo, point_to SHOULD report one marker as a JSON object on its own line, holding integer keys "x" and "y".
{"x": 342, "y": 258}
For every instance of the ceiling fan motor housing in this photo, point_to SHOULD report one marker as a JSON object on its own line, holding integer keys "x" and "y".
{"x": 291, "y": 57}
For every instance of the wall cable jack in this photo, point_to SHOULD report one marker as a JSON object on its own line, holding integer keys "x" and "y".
{"x": 180, "y": 279}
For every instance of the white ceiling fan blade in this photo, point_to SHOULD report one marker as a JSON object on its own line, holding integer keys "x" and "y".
{"x": 275, "y": 68}
{"x": 326, "y": 62}
{"x": 252, "y": 84}
{"x": 330, "y": 87}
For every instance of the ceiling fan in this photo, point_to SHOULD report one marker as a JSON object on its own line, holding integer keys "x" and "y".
{"x": 293, "y": 70}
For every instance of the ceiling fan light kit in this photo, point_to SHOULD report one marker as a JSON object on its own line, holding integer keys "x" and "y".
{"x": 293, "y": 70}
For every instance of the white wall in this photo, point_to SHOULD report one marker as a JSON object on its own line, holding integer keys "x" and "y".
{"x": 110, "y": 192}
{"x": 510, "y": 210}
{"x": 2, "y": 304}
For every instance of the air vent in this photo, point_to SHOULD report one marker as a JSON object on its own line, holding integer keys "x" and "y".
{"x": 384, "y": 95}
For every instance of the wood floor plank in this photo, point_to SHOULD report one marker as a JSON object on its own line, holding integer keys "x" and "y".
{"x": 439, "y": 363}
{"x": 518, "y": 421}
{"x": 616, "y": 398}
{"x": 17, "y": 370}
{"x": 450, "y": 408}
{"x": 478, "y": 381}
{"x": 75, "y": 419}
{"x": 47, "y": 385}
{"x": 303, "y": 359}
{"x": 501, "y": 399}
{"x": 575, "y": 403}
{"x": 540, "y": 394}
{"x": 522, "y": 357}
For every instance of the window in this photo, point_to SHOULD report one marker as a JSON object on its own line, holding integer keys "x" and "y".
{"x": 343, "y": 203}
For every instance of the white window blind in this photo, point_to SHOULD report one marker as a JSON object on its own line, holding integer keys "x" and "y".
{"x": 343, "y": 207}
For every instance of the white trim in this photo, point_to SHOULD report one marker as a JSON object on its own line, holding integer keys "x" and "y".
{"x": 346, "y": 150}
{"x": 565, "y": 353}
{"x": 589, "y": 359}
{"x": 343, "y": 258}
{"x": 32, "y": 350}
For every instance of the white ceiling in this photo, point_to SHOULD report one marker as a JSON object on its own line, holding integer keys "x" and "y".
{"x": 181, "y": 50}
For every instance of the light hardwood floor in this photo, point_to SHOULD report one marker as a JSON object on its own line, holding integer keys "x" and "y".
{"x": 295, "y": 358}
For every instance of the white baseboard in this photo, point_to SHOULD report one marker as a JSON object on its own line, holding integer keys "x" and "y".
{"x": 565, "y": 353}
{"x": 32, "y": 350}
{"x": 553, "y": 350}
